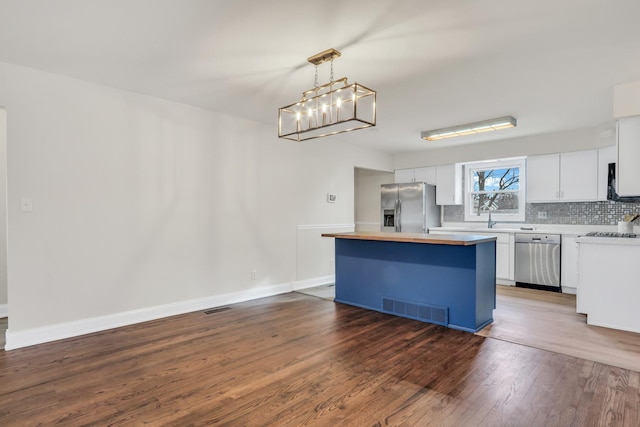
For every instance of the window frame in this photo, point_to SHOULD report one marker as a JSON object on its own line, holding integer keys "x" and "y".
{"x": 470, "y": 168}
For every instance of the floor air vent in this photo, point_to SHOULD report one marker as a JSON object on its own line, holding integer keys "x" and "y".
{"x": 217, "y": 310}
{"x": 424, "y": 312}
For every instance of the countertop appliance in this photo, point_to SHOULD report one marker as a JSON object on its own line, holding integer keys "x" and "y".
{"x": 409, "y": 207}
{"x": 538, "y": 261}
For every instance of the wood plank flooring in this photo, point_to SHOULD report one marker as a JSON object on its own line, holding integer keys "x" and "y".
{"x": 549, "y": 321}
{"x": 295, "y": 360}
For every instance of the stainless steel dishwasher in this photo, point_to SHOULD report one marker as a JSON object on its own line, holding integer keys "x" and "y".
{"x": 538, "y": 261}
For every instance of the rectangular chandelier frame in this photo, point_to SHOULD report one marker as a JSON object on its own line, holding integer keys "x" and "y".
{"x": 330, "y": 109}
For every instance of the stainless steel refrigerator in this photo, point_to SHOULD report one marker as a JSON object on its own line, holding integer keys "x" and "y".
{"x": 409, "y": 208}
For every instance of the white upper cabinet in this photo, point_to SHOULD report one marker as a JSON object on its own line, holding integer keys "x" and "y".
{"x": 404, "y": 175}
{"x": 579, "y": 176}
{"x": 425, "y": 174}
{"x": 628, "y": 168}
{"x": 564, "y": 177}
{"x": 543, "y": 178}
{"x": 449, "y": 184}
{"x": 606, "y": 155}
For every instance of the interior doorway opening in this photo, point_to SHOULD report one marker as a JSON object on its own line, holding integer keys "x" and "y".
{"x": 367, "y": 184}
{"x": 4, "y": 297}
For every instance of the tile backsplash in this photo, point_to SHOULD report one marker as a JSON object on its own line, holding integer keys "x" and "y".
{"x": 578, "y": 213}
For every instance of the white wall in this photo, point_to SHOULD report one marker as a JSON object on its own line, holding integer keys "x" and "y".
{"x": 140, "y": 202}
{"x": 367, "y": 206}
{"x": 575, "y": 140}
{"x": 3, "y": 212}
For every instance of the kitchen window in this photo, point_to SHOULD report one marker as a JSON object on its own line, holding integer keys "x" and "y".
{"x": 495, "y": 187}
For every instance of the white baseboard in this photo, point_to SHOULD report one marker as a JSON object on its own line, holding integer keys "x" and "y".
{"x": 4, "y": 310}
{"x": 86, "y": 326}
{"x": 310, "y": 283}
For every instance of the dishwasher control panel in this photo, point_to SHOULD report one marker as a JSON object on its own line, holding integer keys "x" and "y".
{"x": 551, "y": 239}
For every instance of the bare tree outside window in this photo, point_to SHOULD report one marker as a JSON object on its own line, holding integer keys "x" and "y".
{"x": 496, "y": 190}
{"x": 495, "y": 187}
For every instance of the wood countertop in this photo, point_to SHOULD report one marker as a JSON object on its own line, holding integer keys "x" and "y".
{"x": 432, "y": 239}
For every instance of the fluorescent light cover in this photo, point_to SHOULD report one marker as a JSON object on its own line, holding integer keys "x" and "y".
{"x": 470, "y": 128}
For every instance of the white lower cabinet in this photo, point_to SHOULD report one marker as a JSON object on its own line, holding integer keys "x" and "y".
{"x": 505, "y": 257}
{"x": 569, "y": 263}
{"x": 505, "y": 253}
{"x": 608, "y": 291}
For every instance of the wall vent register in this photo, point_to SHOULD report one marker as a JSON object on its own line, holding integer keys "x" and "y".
{"x": 419, "y": 311}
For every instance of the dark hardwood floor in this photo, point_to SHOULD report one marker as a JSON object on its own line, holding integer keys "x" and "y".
{"x": 296, "y": 360}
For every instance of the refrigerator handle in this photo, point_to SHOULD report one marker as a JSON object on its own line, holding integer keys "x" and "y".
{"x": 398, "y": 214}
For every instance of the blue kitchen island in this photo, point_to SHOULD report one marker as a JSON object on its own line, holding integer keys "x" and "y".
{"x": 447, "y": 280}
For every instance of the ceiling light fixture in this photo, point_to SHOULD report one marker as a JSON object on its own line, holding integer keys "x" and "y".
{"x": 469, "y": 129}
{"x": 332, "y": 108}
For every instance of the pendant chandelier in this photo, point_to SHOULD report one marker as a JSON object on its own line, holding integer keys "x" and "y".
{"x": 328, "y": 109}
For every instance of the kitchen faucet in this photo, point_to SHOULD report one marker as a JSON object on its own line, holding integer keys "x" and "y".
{"x": 490, "y": 223}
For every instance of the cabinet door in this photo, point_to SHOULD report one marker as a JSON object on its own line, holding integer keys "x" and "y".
{"x": 403, "y": 175}
{"x": 569, "y": 263}
{"x": 449, "y": 185}
{"x": 503, "y": 270}
{"x": 579, "y": 176}
{"x": 543, "y": 178}
{"x": 426, "y": 174}
{"x": 606, "y": 155}
{"x": 628, "y": 169}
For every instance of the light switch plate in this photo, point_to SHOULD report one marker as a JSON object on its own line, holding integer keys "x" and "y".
{"x": 332, "y": 197}
{"x": 26, "y": 204}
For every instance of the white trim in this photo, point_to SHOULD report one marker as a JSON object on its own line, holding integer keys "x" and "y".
{"x": 86, "y": 326}
{"x": 4, "y": 310}
{"x": 317, "y": 226}
{"x": 311, "y": 283}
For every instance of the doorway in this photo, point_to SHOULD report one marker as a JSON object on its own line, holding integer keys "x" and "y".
{"x": 4, "y": 299}
{"x": 367, "y": 184}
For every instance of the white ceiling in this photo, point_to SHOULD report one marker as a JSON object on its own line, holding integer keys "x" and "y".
{"x": 550, "y": 63}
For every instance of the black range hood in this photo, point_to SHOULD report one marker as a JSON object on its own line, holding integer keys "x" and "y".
{"x": 611, "y": 188}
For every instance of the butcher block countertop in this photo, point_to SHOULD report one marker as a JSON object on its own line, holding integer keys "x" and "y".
{"x": 432, "y": 239}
